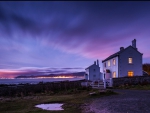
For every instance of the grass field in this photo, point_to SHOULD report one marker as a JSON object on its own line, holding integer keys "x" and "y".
{"x": 72, "y": 102}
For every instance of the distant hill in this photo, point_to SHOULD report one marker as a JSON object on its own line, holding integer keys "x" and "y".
{"x": 77, "y": 74}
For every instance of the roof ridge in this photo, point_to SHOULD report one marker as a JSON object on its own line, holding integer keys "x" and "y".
{"x": 89, "y": 66}
{"x": 117, "y": 53}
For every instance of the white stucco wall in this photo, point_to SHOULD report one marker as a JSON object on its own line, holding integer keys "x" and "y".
{"x": 93, "y": 73}
{"x": 124, "y": 66}
{"x": 86, "y": 74}
{"x": 101, "y": 76}
{"x": 112, "y": 67}
{"x": 108, "y": 76}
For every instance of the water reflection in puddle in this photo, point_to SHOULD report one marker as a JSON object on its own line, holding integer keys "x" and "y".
{"x": 54, "y": 106}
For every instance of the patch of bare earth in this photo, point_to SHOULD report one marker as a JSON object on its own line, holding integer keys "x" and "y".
{"x": 127, "y": 101}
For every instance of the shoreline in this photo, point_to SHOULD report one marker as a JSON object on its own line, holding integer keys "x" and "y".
{"x": 36, "y": 80}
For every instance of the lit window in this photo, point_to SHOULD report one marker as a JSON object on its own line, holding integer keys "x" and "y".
{"x": 130, "y": 60}
{"x": 108, "y": 63}
{"x": 114, "y": 74}
{"x": 130, "y": 73}
{"x": 114, "y": 62}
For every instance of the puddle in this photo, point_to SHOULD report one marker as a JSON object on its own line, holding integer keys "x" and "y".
{"x": 54, "y": 106}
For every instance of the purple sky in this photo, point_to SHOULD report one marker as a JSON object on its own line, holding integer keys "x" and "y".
{"x": 47, "y": 37}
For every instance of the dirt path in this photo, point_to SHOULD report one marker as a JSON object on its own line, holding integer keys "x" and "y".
{"x": 128, "y": 101}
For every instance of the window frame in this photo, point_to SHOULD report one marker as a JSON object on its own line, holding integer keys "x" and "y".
{"x": 130, "y": 60}
{"x": 108, "y": 63}
{"x": 114, "y": 61}
{"x": 130, "y": 73}
{"x": 115, "y": 74}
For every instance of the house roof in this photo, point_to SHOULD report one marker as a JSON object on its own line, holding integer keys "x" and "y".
{"x": 111, "y": 56}
{"x": 90, "y": 66}
{"x": 118, "y": 53}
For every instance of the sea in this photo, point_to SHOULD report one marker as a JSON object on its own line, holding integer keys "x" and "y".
{"x": 35, "y": 80}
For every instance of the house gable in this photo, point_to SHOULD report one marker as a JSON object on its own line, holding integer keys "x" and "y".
{"x": 124, "y": 62}
{"x": 131, "y": 48}
{"x": 128, "y": 62}
{"x": 93, "y": 72}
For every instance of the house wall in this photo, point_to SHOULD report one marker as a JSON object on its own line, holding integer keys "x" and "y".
{"x": 86, "y": 74}
{"x": 124, "y": 66}
{"x": 112, "y": 67}
{"x": 93, "y": 73}
{"x": 101, "y": 76}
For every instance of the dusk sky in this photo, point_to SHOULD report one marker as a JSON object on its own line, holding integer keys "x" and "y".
{"x": 55, "y": 37}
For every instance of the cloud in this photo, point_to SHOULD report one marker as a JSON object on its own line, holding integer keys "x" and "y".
{"x": 11, "y": 73}
{"x": 53, "y": 33}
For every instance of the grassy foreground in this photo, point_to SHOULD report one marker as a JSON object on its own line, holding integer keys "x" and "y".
{"x": 72, "y": 102}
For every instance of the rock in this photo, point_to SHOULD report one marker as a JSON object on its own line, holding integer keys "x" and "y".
{"x": 93, "y": 93}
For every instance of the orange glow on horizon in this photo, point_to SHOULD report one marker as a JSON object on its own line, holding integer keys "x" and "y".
{"x": 11, "y": 74}
{"x": 58, "y": 77}
{"x": 8, "y": 73}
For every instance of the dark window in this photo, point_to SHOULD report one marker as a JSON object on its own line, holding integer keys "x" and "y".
{"x": 94, "y": 70}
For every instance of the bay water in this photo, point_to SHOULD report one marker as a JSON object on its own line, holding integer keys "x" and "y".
{"x": 35, "y": 80}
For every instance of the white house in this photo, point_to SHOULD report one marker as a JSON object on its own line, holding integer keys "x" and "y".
{"x": 126, "y": 62}
{"x": 93, "y": 72}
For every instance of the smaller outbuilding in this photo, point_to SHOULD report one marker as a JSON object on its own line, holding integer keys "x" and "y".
{"x": 92, "y": 73}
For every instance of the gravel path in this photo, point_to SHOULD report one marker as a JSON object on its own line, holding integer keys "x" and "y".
{"x": 128, "y": 101}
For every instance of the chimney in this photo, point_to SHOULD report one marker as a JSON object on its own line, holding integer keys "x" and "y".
{"x": 121, "y": 48}
{"x": 134, "y": 43}
{"x": 97, "y": 62}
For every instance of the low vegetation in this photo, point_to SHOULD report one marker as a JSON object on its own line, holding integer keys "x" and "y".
{"x": 17, "y": 90}
{"x": 146, "y": 68}
{"x": 73, "y": 100}
{"x": 136, "y": 87}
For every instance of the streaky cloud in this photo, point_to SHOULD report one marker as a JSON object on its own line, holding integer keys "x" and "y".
{"x": 69, "y": 34}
